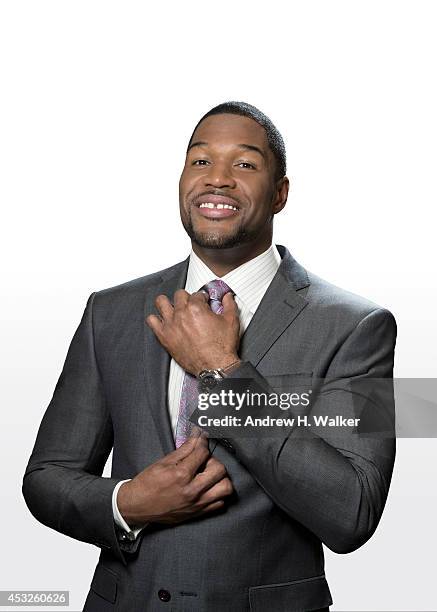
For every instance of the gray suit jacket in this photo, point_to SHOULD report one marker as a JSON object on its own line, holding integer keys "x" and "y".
{"x": 264, "y": 551}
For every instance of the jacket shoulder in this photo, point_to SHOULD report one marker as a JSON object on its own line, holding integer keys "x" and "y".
{"x": 338, "y": 301}
{"x": 138, "y": 285}
{"x": 129, "y": 296}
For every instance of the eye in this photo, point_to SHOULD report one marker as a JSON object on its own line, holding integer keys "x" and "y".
{"x": 246, "y": 165}
{"x": 200, "y": 162}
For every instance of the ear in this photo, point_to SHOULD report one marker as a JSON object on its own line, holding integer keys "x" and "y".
{"x": 282, "y": 187}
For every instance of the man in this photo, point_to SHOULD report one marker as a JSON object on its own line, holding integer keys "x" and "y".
{"x": 227, "y": 523}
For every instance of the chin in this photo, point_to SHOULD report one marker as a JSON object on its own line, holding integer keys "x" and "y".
{"x": 210, "y": 240}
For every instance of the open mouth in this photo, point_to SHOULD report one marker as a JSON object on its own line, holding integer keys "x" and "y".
{"x": 216, "y": 207}
{"x": 220, "y": 206}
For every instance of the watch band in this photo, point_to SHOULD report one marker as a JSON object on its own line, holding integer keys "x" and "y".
{"x": 210, "y": 378}
{"x": 231, "y": 367}
{"x": 219, "y": 372}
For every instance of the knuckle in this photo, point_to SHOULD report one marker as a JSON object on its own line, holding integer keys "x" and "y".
{"x": 204, "y": 450}
{"x": 203, "y": 453}
{"x": 188, "y": 493}
{"x": 227, "y": 486}
{"x": 194, "y": 307}
{"x": 181, "y": 473}
{"x": 221, "y": 470}
{"x": 218, "y": 466}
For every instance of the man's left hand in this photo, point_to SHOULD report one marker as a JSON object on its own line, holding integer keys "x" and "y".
{"x": 196, "y": 337}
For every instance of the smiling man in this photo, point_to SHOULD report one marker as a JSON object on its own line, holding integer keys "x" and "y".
{"x": 187, "y": 522}
{"x": 232, "y": 185}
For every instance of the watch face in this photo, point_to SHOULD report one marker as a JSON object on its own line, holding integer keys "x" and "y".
{"x": 209, "y": 381}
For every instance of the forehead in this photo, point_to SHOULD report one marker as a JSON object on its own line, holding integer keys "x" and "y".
{"x": 231, "y": 129}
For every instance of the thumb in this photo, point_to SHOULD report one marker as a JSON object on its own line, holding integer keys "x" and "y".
{"x": 230, "y": 308}
{"x": 198, "y": 437}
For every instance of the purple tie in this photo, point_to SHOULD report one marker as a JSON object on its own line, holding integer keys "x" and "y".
{"x": 216, "y": 289}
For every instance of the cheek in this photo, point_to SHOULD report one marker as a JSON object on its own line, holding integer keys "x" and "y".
{"x": 261, "y": 199}
{"x": 187, "y": 185}
{"x": 182, "y": 188}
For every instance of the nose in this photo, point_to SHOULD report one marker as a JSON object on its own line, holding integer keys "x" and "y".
{"x": 219, "y": 176}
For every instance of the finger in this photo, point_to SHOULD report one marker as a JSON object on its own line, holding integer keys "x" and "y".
{"x": 214, "y": 472}
{"x": 185, "y": 449}
{"x": 214, "y": 506}
{"x": 155, "y": 324}
{"x": 197, "y": 431}
{"x": 229, "y": 302}
{"x": 164, "y": 306}
{"x": 230, "y": 308}
{"x": 213, "y": 465}
{"x": 180, "y": 298}
{"x": 197, "y": 457}
{"x": 201, "y": 296}
{"x": 221, "y": 489}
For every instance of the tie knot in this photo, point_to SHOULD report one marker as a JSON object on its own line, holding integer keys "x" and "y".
{"x": 216, "y": 290}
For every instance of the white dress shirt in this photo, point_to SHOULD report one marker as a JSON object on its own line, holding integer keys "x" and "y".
{"x": 249, "y": 282}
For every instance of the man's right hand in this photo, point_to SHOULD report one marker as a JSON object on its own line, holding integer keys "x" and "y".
{"x": 174, "y": 489}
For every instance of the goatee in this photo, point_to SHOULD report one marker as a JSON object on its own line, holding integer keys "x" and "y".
{"x": 215, "y": 240}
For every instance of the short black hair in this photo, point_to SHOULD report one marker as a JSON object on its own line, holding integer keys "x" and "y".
{"x": 274, "y": 138}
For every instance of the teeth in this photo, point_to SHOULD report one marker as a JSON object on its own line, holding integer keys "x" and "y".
{"x": 218, "y": 206}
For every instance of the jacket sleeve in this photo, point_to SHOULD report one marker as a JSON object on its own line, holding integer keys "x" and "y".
{"x": 336, "y": 487}
{"x": 63, "y": 485}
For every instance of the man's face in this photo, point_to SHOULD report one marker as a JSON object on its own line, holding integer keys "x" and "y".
{"x": 227, "y": 191}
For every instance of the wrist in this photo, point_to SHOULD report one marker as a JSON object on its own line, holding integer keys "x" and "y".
{"x": 124, "y": 500}
{"x": 231, "y": 367}
{"x": 224, "y": 365}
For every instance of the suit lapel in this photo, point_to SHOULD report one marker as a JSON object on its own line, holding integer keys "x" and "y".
{"x": 156, "y": 358}
{"x": 278, "y": 309}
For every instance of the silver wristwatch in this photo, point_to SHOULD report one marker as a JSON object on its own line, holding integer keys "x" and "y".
{"x": 210, "y": 378}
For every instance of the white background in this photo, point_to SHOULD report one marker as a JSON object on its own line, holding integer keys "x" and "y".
{"x": 98, "y": 100}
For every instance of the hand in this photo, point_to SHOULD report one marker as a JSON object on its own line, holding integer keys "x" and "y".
{"x": 173, "y": 490}
{"x": 197, "y": 338}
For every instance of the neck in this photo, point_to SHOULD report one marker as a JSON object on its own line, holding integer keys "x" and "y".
{"x": 223, "y": 261}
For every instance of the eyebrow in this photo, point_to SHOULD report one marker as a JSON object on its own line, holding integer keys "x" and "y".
{"x": 247, "y": 147}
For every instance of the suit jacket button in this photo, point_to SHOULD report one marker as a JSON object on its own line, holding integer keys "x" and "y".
{"x": 164, "y": 595}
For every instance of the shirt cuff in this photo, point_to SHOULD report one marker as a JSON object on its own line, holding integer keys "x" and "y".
{"x": 132, "y": 533}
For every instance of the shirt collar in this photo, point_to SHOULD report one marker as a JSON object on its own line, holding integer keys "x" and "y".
{"x": 249, "y": 281}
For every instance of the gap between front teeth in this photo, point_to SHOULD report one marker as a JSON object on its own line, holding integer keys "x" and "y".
{"x": 211, "y": 205}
